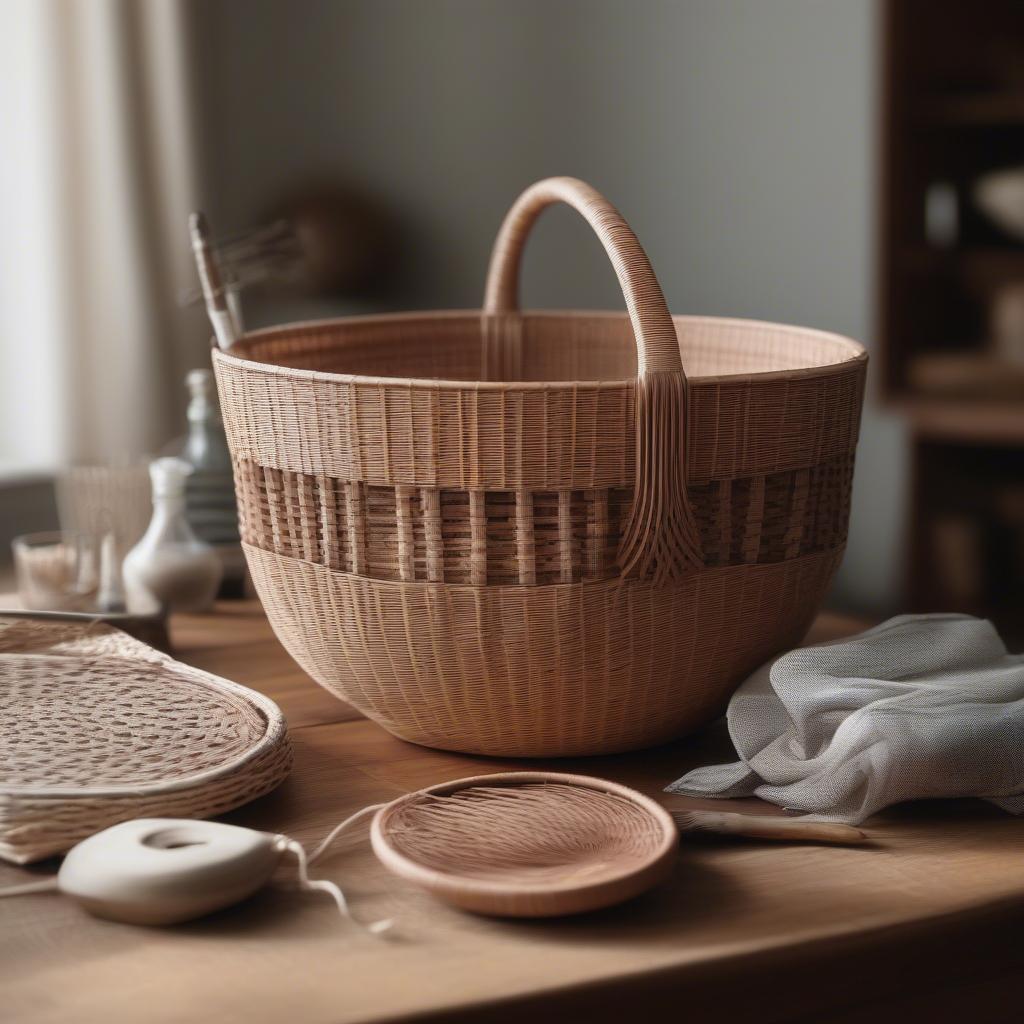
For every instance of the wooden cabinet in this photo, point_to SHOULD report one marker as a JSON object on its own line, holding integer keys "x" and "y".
{"x": 951, "y": 294}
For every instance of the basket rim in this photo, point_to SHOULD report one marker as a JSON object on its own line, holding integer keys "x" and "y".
{"x": 274, "y": 733}
{"x": 454, "y": 884}
{"x": 857, "y": 352}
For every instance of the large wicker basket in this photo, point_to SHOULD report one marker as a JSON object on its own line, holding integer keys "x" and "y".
{"x": 531, "y": 534}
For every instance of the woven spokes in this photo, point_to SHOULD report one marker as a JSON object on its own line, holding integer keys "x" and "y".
{"x": 527, "y": 537}
{"x": 527, "y": 844}
{"x": 539, "y": 833}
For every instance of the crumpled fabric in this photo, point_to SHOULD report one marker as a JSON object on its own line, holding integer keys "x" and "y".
{"x": 922, "y": 706}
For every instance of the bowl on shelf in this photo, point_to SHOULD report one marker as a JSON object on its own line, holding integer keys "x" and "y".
{"x": 1000, "y": 196}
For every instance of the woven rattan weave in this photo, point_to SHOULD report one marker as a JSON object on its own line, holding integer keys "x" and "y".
{"x": 531, "y": 533}
{"x": 527, "y": 844}
{"x": 97, "y": 728}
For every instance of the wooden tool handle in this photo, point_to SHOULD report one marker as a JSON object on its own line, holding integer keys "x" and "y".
{"x": 761, "y": 827}
{"x": 212, "y": 283}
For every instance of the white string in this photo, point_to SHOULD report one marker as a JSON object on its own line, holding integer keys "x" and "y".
{"x": 325, "y": 844}
{"x": 284, "y": 844}
{"x": 322, "y": 884}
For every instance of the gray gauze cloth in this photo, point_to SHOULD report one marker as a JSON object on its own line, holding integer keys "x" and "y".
{"x": 920, "y": 706}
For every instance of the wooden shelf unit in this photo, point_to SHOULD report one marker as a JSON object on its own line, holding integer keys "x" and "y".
{"x": 984, "y": 109}
{"x": 953, "y": 109}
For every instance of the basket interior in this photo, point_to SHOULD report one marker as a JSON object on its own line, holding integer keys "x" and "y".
{"x": 465, "y": 346}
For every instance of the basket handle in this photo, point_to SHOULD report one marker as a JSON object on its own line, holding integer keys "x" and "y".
{"x": 660, "y": 539}
{"x": 656, "y": 342}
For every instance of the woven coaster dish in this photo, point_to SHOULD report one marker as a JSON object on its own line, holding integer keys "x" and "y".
{"x": 535, "y": 534}
{"x": 527, "y": 844}
{"x": 97, "y": 728}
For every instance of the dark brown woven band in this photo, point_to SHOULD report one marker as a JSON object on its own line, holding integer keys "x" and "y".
{"x": 527, "y": 538}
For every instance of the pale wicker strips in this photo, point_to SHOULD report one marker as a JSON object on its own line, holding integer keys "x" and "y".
{"x": 478, "y": 538}
{"x": 527, "y": 540}
{"x": 329, "y": 527}
{"x": 525, "y": 551}
{"x": 356, "y": 523}
{"x": 597, "y": 535}
{"x": 724, "y": 522}
{"x": 755, "y": 519}
{"x": 565, "y": 538}
{"x": 797, "y": 514}
{"x": 584, "y": 558}
{"x": 430, "y": 498}
{"x": 519, "y": 414}
{"x": 660, "y": 539}
{"x": 403, "y": 496}
{"x": 657, "y": 346}
{"x": 569, "y": 668}
{"x": 97, "y": 728}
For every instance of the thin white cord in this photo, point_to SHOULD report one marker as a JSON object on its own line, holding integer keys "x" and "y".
{"x": 326, "y": 843}
{"x": 45, "y": 885}
{"x": 322, "y": 884}
{"x": 284, "y": 844}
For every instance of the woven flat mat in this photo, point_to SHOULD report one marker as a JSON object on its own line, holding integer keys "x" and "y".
{"x": 97, "y": 728}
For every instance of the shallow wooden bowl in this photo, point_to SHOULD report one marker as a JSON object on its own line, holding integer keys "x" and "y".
{"x": 527, "y": 844}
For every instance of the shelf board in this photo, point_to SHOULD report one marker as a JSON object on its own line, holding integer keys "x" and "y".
{"x": 983, "y": 265}
{"x": 993, "y": 109}
{"x": 964, "y": 420}
{"x": 971, "y": 375}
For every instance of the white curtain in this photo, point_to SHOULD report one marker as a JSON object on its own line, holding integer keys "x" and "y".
{"x": 98, "y": 178}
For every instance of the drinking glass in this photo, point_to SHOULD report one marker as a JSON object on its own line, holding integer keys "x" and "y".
{"x": 56, "y": 571}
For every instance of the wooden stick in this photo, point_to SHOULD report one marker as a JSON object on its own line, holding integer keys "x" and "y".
{"x": 213, "y": 287}
{"x": 762, "y": 827}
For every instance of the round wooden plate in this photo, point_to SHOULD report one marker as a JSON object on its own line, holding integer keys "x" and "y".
{"x": 527, "y": 844}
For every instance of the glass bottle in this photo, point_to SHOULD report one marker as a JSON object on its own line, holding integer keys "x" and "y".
{"x": 206, "y": 447}
{"x": 210, "y": 505}
{"x": 171, "y": 564}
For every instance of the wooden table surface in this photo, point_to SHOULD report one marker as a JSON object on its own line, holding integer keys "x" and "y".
{"x": 926, "y": 920}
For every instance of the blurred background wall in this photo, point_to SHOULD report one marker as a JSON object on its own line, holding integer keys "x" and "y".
{"x": 738, "y": 137}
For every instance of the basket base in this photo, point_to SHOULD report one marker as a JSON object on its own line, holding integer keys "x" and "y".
{"x": 513, "y": 750}
{"x": 559, "y": 671}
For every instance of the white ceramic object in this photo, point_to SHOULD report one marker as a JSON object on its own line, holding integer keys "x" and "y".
{"x": 941, "y": 215}
{"x": 1000, "y": 196}
{"x": 171, "y": 564}
{"x": 158, "y": 871}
